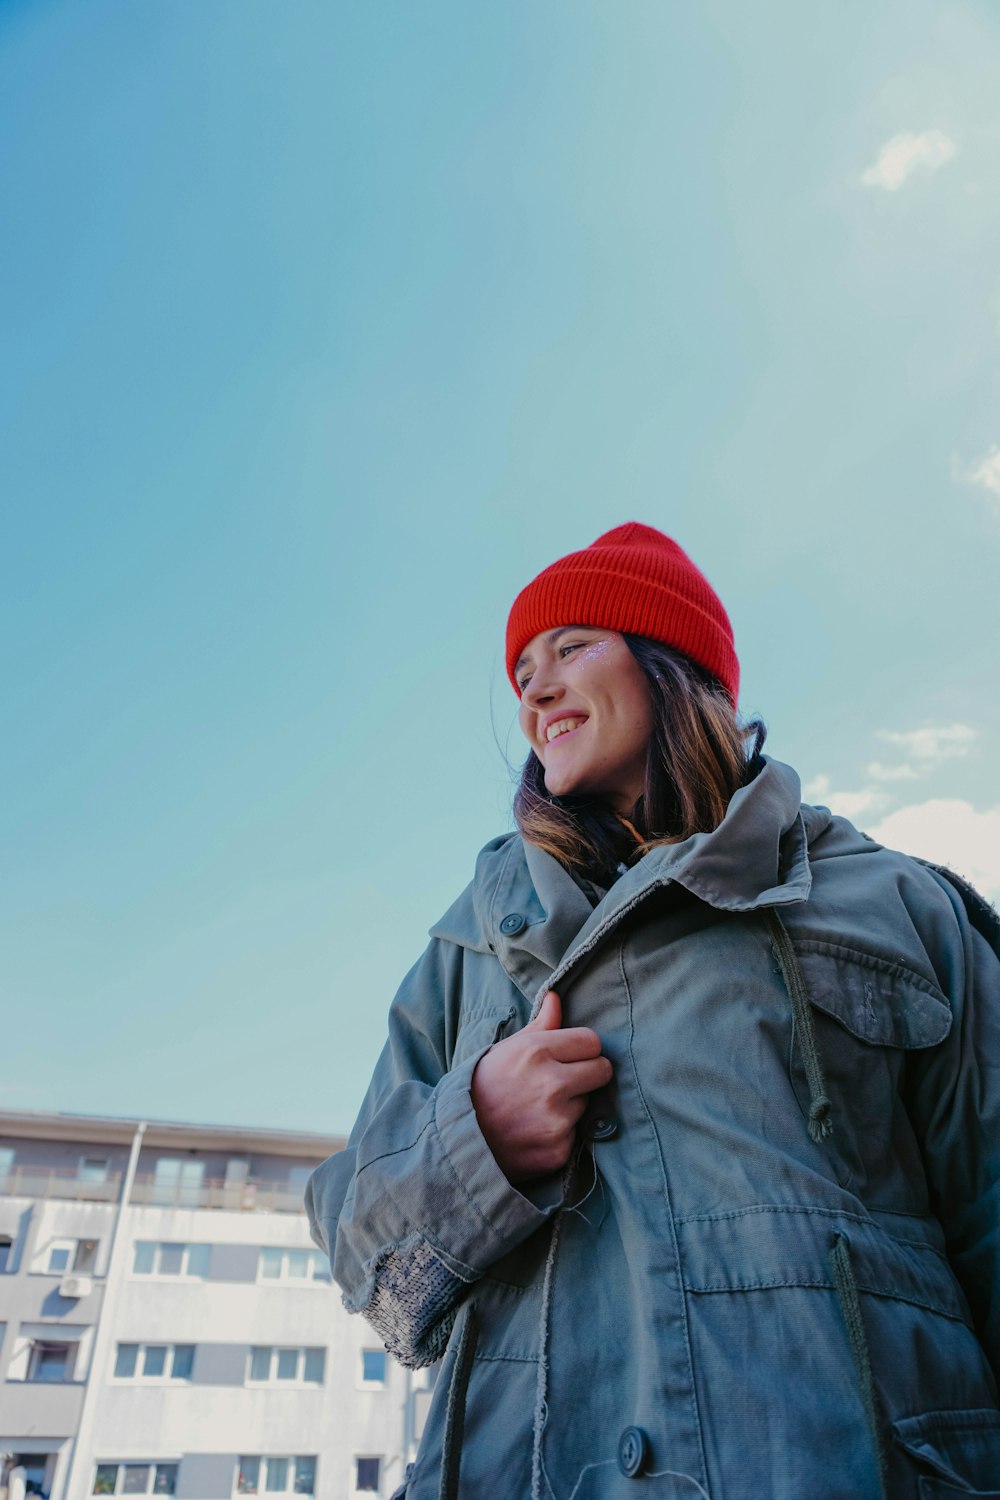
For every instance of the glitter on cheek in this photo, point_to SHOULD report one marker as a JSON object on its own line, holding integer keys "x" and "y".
{"x": 592, "y": 652}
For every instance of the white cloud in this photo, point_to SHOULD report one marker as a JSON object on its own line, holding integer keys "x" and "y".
{"x": 845, "y": 804}
{"x": 930, "y": 746}
{"x": 878, "y": 772}
{"x": 904, "y": 153}
{"x": 985, "y": 474}
{"x": 947, "y": 830}
{"x": 924, "y": 750}
{"x": 853, "y": 804}
{"x": 950, "y": 832}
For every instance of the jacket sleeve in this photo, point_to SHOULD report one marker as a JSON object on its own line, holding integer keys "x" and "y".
{"x": 415, "y": 1208}
{"x": 956, "y": 1104}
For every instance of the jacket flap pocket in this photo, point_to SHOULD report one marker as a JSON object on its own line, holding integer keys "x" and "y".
{"x": 877, "y": 1001}
{"x": 960, "y": 1447}
{"x": 785, "y": 1245}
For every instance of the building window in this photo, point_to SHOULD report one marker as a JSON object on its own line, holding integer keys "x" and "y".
{"x": 366, "y": 1479}
{"x": 36, "y": 1472}
{"x": 178, "y": 1180}
{"x": 59, "y": 1257}
{"x": 85, "y": 1257}
{"x": 373, "y": 1366}
{"x": 302, "y": 1266}
{"x": 6, "y": 1252}
{"x": 76, "y": 1255}
{"x": 297, "y": 1179}
{"x": 304, "y": 1366}
{"x": 155, "y": 1258}
{"x": 135, "y": 1479}
{"x": 276, "y": 1476}
{"x": 51, "y": 1362}
{"x": 154, "y": 1361}
{"x": 93, "y": 1169}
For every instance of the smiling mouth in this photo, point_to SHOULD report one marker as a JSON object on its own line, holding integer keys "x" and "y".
{"x": 564, "y": 726}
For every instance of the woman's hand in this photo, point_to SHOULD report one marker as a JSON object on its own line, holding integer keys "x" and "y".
{"x": 530, "y": 1089}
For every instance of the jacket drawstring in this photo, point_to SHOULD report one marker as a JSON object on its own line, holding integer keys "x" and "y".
{"x": 850, "y": 1306}
{"x": 454, "y": 1422}
{"x": 820, "y": 1126}
{"x": 542, "y": 1381}
{"x": 820, "y": 1121}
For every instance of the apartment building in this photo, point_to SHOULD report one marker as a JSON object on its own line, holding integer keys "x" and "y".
{"x": 167, "y": 1326}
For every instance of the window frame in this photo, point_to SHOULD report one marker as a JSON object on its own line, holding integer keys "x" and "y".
{"x": 121, "y": 1464}
{"x": 139, "y": 1376}
{"x": 64, "y": 1245}
{"x": 272, "y": 1379}
{"x": 298, "y": 1179}
{"x": 263, "y": 1462}
{"x": 367, "y": 1458}
{"x": 85, "y": 1175}
{"x": 187, "y": 1190}
{"x": 316, "y": 1261}
{"x": 85, "y": 1270}
{"x": 73, "y": 1248}
{"x": 185, "y": 1273}
{"x": 364, "y": 1383}
{"x": 36, "y": 1353}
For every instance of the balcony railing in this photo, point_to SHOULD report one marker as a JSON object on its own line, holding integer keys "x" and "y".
{"x": 251, "y": 1196}
{"x": 58, "y": 1182}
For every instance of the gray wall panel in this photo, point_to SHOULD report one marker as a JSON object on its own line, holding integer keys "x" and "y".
{"x": 206, "y": 1476}
{"x": 220, "y": 1364}
{"x": 234, "y": 1262}
{"x": 32, "y": 1406}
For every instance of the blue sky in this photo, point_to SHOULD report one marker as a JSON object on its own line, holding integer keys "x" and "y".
{"x": 324, "y": 327}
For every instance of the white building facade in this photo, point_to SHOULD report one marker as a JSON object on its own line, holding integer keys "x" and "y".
{"x": 167, "y": 1326}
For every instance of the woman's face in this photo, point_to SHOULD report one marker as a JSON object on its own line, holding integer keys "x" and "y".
{"x": 585, "y": 712}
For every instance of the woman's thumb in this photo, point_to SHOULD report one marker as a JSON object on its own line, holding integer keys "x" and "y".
{"x": 549, "y": 1016}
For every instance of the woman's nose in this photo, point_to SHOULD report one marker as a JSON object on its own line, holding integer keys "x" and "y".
{"x": 544, "y": 687}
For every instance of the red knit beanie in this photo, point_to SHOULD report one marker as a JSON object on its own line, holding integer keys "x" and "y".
{"x": 636, "y": 580}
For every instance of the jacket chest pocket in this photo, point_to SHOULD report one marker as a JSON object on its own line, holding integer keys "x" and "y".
{"x": 480, "y": 1029}
{"x": 870, "y": 1018}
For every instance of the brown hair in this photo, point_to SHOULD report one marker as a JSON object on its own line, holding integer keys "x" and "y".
{"x": 699, "y": 755}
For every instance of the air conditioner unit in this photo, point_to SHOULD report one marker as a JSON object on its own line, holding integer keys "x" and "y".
{"x": 76, "y": 1286}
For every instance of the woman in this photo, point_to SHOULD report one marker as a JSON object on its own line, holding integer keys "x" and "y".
{"x": 684, "y": 1146}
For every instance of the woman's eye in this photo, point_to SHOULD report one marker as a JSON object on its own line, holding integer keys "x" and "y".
{"x": 563, "y": 650}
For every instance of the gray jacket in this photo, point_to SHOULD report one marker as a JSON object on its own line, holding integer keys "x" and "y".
{"x": 771, "y": 1271}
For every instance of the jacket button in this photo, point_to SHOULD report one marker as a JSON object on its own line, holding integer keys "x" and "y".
{"x": 512, "y": 924}
{"x": 600, "y": 1127}
{"x": 633, "y": 1452}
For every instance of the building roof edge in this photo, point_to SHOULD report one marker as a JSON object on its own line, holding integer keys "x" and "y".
{"x": 118, "y": 1129}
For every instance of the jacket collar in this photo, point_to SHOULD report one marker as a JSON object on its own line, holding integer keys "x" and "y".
{"x": 540, "y": 924}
